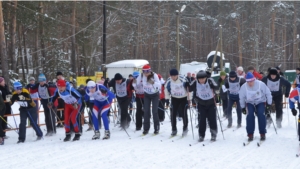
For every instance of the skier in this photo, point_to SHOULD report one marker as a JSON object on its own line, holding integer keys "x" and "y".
{"x": 255, "y": 96}
{"x": 90, "y": 104}
{"x": 139, "y": 92}
{"x": 33, "y": 92}
{"x": 297, "y": 79}
{"x": 274, "y": 82}
{"x": 204, "y": 89}
{"x": 45, "y": 92}
{"x": 161, "y": 104}
{"x": 223, "y": 92}
{"x": 240, "y": 72}
{"x": 294, "y": 97}
{"x": 151, "y": 85}
{"x": 123, "y": 90}
{"x": 176, "y": 87}
{"x": 254, "y": 72}
{"x": 233, "y": 84}
{"x": 60, "y": 101}
{"x": 102, "y": 101}
{"x": 72, "y": 100}
{"x": 27, "y": 110}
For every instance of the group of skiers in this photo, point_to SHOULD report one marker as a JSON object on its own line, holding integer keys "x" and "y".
{"x": 251, "y": 94}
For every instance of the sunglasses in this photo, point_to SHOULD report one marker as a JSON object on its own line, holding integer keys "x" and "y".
{"x": 18, "y": 88}
{"x": 146, "y": 71}
{"x": 91, "y": 87}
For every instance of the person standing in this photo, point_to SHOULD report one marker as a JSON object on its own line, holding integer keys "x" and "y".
{"x": 5, "y": 92}
{"x": 72, "y": 100}
{"x": 152, "y": 86}
{"x": 240, "y": 72}
{"x": 139, "y": 92}
{"x": 223, "y": 92}
{"x": 60, "y": 102}
{"x": 27, "y": 110}
{"x": 176, "y": 88}
{"x": 255, "y": 97}
{"x": 102, "y": 101}
{"x": 233, "y": 84}
{"x": 255, "y": 73}
{"x": 2, "y": 112}
{"x": 161, "y": 104}
{"x": 45, "y": 92}
{"x": 295, "y": 97}
{"x": 274, "y": 82}
{"x": 33, "y": 92}
{"x": 204, "y": 89}
{"x": 123, "y": 90}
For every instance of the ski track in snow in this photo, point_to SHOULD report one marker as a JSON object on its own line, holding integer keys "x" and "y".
{"x": 160, "y": 151}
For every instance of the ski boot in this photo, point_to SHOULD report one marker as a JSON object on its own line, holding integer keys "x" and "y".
{"x": 68, "y": 137}
{"x": 213, "y": 137}
{"x": 201, "y": 139}
{"x": 262, "y": 137}
{"x": 20, "y": 141}
{"x": 156, "y": 131}
{"x": 250, "y": 137}
{"x": 174, "y": 133}
{"x": 96, "y": 136}
{"x": 39, "y": 138}
{"x": 184, "y": 133}
{"x": 106, "y": 135}
{"x": 145, "y": 132}
{"x": 1, "y": 141}
{"x": 76, "y": 137}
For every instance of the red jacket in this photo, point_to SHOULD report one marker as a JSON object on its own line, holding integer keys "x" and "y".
{"x": 256, "y": 75}
{"x": 162, "y": 92}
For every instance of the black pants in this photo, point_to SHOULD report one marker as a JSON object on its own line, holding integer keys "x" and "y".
{"x": 207, "y": 112}
{"x": 179, "y": 106}
{"x": 125, "y": 117}
{"x": 225, "y": 105}
{"x": 2, "y": 123}
{"x": 31, "y": 114}
{"x": 7, "y": 111}
{"x": 139, "y": 112}
{"x": 49, "y": 117}
{"x": 277, "y": 100}
{"x": 60, "y": 113}
{"x": 161, "y": 110}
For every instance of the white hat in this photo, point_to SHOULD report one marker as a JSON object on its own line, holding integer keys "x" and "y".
{"x": 91, "y": 84}
{"x": 240, "y": 68}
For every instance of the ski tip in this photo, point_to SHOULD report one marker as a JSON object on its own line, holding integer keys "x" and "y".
{"x": 244, "y": 144}
{"x": 203, "y": 144}
{"x": 190, "y": 145}
{"x": 258, "y": 144}
{"x": 297, "y": 155}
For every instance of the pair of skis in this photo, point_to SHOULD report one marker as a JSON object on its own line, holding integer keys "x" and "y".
{"x": 258, "y": 143}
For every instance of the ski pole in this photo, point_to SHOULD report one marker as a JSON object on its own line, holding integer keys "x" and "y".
{"x": 14, "y": 119}
{"x": 296, "y": 126}
{"x": 272, "y": 122}
{"x": 9, "y": 124}
{"x": 90, "y": 115}
{"x": 39, "y": 132}
{"x": 219, "y": 118}
{"x": 191, "y": 121}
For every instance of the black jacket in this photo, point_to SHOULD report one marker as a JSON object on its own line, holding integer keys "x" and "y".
{"x": 213, "y": 85}
{"x": 223, "y": 95}
{"x": 282, "y": 82}
{"x": 5, "y": 91}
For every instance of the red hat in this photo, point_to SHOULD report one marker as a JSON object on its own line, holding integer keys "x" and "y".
{"x": 61, "y": 83}
{"x": 159, "y": 76}
{"x": 146, "y": 67}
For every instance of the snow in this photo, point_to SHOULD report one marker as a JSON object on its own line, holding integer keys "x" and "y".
{"x": 278, "y": 151}
{"x": 134, "y": 63}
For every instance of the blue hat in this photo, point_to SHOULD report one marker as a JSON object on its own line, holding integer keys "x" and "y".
{"x": 135, "y": 74}
{"x": 42, "y": 78}
{"x": 173, "y": 72}
{"x": 250, "y": 77}
{"x": 17, "y": 84}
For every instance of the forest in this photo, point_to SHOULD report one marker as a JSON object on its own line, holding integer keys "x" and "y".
{"x": 67, "y": 36}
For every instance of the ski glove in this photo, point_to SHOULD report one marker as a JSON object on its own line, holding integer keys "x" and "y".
{"x": 75, "y": 105}
{"x": 50, "y": 104}
{"x": 294, "y": 111}
{"x": 244, "y": 111}
{"x": 268, "y": 107}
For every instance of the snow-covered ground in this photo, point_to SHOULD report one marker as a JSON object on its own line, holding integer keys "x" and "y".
{"x": 278, "y": 151}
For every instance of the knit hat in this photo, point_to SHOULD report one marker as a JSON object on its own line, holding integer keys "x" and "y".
{"x": 118, "y": 76}
{"x": 250, "y": 77}
{"x": 173, "y": 72}
{"x": 81, "y": 87}
{"x": 42, "y": 78}
{"x": 87, "y": 80}
{"x": 232, "y": 74}
{"x": 61, "y": 83}
{"x": 91, "y": 84}
{"x": 146, "y": 67}
{"x": 159, "y": 76}
{"x": 240, "y": 68}
{"x": 1, "y": 79}
{"x": 250, "y": 68}
{"x": 31, "y": 78}
{"x": 130, "y": 75}
{"x": 222, "y": 73}
{"x": 59, "y": 73}
{"x": 273, "y": 71}
{"x": 277, "y": 67}
{"x": 17, "y": 84}
{"x": 135, "y": 74}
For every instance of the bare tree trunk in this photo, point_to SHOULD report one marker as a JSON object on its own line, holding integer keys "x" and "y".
{"x": 36, "y": 61}
{"x": 240, "y": 43}
{"x": 73, "y": 50}
{"x": 273, "y": 35}
{"x": 41, "y": 28}
{"x": 25, "y": 50}
{"x": 295, "y": 45}
{"x": 13, "y": 36}
{"x": 4, "y": 61}
{"x": 20, "y": 52}
{"x": 284, "y": 44}
{"x": 158, "y": 39}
